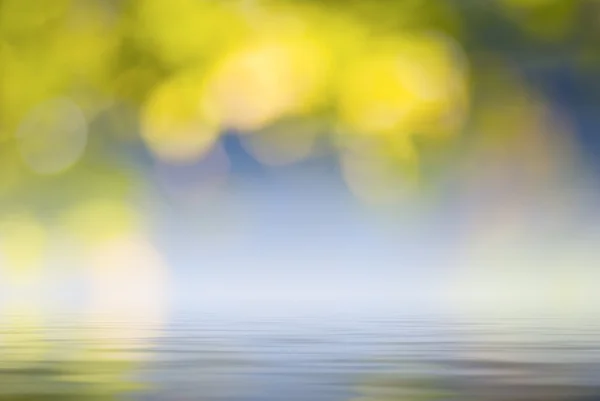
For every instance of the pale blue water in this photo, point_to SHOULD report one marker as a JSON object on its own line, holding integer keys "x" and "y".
{"x": 308, "y": 358}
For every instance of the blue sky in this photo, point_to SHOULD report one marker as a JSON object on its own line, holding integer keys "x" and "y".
{"x": 296, "y": 236}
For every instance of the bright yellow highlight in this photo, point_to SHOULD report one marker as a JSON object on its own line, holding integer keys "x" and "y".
{"x": 100, "y": 220}
{"x": 178, "y": 125}
{"x": 410, "y": 87}
{"x": 414, "y": 84}
{"x": 23, "y": 244}
{"x": 191, "y": 70}
{"x": 268, "y": 79}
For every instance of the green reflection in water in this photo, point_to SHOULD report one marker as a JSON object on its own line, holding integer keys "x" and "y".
{"x": 75, "y": 363}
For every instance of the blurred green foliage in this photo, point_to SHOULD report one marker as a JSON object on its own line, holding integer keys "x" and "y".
{"x": 94, "y": 92}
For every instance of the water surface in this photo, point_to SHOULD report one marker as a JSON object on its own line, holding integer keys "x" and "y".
{"x": 211, "y": 357}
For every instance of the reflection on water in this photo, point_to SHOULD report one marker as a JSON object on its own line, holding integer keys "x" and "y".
{"x": 309, "y": 358}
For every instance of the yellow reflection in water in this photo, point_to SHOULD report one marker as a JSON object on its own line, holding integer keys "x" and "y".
{"x": 93, "y": 355}
{"x": 23, "y": 246}
{"x": 127, "y": 300}
{"x": 395, "y": 386}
